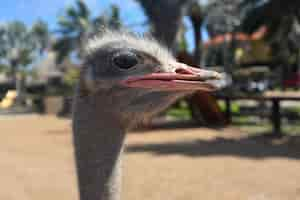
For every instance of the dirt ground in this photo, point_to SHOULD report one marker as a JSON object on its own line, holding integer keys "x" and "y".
{"x": 169, "y": 162}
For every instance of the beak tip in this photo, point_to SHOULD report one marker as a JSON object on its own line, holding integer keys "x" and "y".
{"x": 218, "y": 75}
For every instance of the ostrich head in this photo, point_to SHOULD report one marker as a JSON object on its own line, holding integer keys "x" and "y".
{"x": 125, "y": 80}
{"x": 135, "y": 77}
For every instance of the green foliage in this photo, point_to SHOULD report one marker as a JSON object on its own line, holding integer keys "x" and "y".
{"x": 257, "y": 126}
{"x": 4, "y": 68}
{"x": 180, "y": 111}
{"x": 71, "y": 77}
{"x": 20, "y": 45}
{"x": 114, "y": 18}
{"x": 183, "y": 45}
{"x": 235, "y": 108}
{"x": 73, "y": 26}
{"x": 40, "y": 33}
{"x": 75, "y": 19}
{"x": 76, "y": 25}
{"x": 110, "y": 19}
{"x": 64, "y": 46}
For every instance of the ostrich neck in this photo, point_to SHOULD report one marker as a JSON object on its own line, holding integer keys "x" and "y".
{"x": 98, "y": 141}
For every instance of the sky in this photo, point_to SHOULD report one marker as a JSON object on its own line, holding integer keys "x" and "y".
{"x": 29, "y": 11}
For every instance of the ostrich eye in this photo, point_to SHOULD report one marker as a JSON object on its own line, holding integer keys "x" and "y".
{"x": 125, "y": 60}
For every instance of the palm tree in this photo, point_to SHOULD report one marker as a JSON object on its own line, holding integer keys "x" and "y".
{"x": 77, "y": 24}
{"x": 16, "y": 47}
{"x": 224, "y": 17}
{"x": 3, "y": 68}
{"x": 40, "y": 35}
{"x": 110, "y": 19}
{"x": 282, "y": 21}
{"x": 196, "y": 13}
{"x": 20, "y": 46}
{"x": 74, "y": 25}
{"x": 165, "y": 17}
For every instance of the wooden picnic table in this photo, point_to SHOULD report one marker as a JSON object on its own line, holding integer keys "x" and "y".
{"x": 274, "y": 96}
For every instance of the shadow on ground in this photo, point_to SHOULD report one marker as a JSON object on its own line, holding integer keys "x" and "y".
{"x": 259, "y": 146}
{"x": 161, "y": 124}
{"x": 253, "y": 147}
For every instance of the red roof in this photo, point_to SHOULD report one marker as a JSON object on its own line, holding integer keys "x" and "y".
{"x": 219, "y": 39}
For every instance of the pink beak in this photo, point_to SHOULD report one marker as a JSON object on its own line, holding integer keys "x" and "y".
{"x": 183, "y": 78}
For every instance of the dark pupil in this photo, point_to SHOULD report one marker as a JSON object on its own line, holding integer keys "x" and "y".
{"x": 125, "y": 61}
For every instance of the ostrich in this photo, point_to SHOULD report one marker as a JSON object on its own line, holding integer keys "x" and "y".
{"x": 125, "y": 80}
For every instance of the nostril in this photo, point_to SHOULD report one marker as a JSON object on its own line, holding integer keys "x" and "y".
{"x": 183, "y": 71}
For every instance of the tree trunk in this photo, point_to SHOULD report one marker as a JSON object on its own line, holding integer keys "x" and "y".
{"x": 19, "y": 83}
{"x": 13, "y": 72}
{"x": 20, "y": 88}
{"x": 197, "y": 23}
{"x": 165, "y": 17}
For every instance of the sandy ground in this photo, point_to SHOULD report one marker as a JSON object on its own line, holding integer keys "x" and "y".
{"x": 186, "y": 163}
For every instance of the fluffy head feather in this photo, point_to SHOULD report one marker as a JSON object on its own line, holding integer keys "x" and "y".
{"x": 146, "y": 44}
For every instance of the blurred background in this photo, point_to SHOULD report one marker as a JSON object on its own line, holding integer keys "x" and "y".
{"x": 242, "y": 142}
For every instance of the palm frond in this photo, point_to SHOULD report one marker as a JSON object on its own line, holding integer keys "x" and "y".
{"x": 64, "y": 23}
{"x": 63, "y": 47}
{"x": 83, "y": 9}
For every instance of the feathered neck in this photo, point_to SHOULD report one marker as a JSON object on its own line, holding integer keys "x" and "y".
{"x": 98, "y": 141}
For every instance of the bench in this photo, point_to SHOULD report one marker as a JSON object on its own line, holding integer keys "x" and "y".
{"x": 273, "y": 96}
